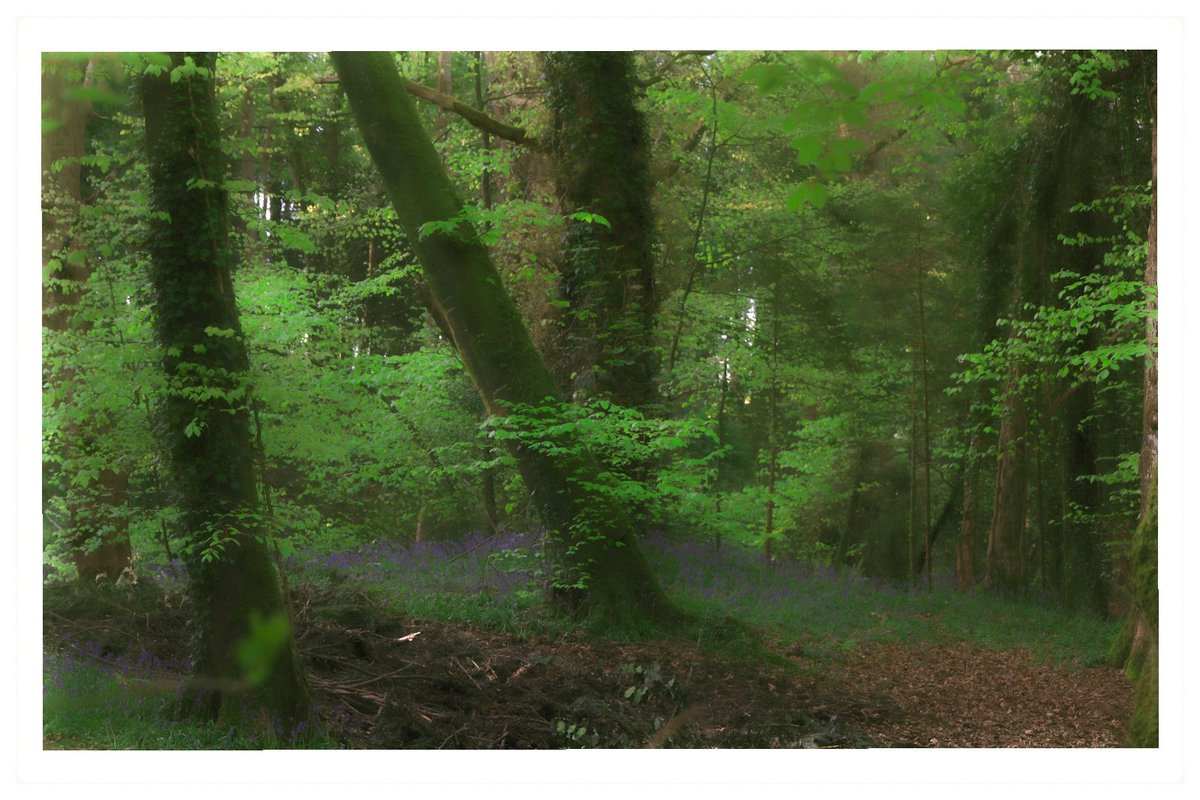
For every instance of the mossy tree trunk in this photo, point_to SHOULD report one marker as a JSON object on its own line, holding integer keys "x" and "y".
{"x": 97, "y": 529}
{"x": 1148, "y": 459}
{"x": 1143, "y": 654}
{"x": 1137, "y": 647}
{"x": 602, "y": 570}
{"x": 246, "y": 670}
{"x": 607, "y": 271}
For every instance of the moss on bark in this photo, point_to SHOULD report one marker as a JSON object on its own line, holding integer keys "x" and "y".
{"x": 1143, "y": 626}
{"x": 233, "y": 581}
{"x": 592, "y": 536}
{"x": 606, "y": 271}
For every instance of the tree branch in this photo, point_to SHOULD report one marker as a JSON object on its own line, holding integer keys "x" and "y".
{"x": 474, "y": 116}
{"x": 661, "y": 73}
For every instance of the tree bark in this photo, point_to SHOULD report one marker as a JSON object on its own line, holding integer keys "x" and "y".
{"x": 246, "y": 670}
{"x": 1005, "y": 561}
{"x": 601, "y": 569}
{"x": 1137, "y": 648}
{"x": 1148, "y": 461}
{"x": 446, "y": 72}
{"x": 1141, "y": 664}
{"x": 607, "y": 271}
{"x": 964, "y": 551}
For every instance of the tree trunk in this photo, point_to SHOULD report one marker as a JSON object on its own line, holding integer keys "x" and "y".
{"x": 601, "y": 569}
{"x": 97, "y": 529}
{"x": 912, "y": 472}
{"x": 1148, "y": 462}
{"x": 1137, "y": 648}
{"x": 246, "y": 670}
{"x": 964, "y": 552}
{"x": 1143, "y": 662}
{"x": 607, "y": 273}
{"x": 773, "y": 444}
{"x": 446, "y": 72}
{"x": 1005, "y": 561}
{"x": 927, "y": 562}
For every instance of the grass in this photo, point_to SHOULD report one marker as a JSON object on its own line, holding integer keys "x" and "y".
{"x": 828, "y": 611}
{"x": 104, "y": 704}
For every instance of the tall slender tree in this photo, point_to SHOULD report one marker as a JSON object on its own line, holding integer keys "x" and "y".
{"x": 602, "y": 569}
{"x": 245, "y": 663}
{"x": 1137, "y": 650}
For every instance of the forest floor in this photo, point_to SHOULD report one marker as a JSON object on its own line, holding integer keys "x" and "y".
{"x": 388, "y": 683}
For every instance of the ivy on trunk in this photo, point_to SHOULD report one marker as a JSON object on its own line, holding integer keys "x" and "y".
{"x": 245, "y": 664}
{"x": 600, "y": 568}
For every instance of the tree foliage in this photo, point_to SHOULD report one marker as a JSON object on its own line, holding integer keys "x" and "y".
{"x": 883, "y": 311}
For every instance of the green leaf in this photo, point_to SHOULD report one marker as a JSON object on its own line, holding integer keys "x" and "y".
{"x": 239, "y": 185}
{"x": 768, "y": 77}
{"x": 810, "y": 193}
{"x": 818, "y": 195}
{"x": 259, "y": 650}
{"x": 853, "y": 113}
{"x": 97, "y": 95}
{"x": 808, "y": 149}
{"x": 157, "y": 59}
{"x": 584, "y": 216}
{"x": 295, "y": 239}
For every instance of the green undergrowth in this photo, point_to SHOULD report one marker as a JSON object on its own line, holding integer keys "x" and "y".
{"x": 93, "y": 707}
{"x": 823, "y": 612}
{"x": 737, "y": 604}
{"x": 523, "y": 614}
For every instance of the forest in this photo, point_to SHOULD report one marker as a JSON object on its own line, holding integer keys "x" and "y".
{"x": 545, "y": 400}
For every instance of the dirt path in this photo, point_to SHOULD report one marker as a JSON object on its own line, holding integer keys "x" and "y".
{"x": 966, "y": 696}
{"x": 461, "y": 688}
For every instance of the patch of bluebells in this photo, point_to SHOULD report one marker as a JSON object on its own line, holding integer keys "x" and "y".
{"x": 795, "y": 594}
{"x": 90, "y": 655}
{"x": 89, "y": 673}
{"x": 171, "y": 572}
{"x": 495, "y": 565}
{"x": 782, "y": 591}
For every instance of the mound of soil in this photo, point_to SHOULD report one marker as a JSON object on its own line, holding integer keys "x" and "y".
{"x": 388, "y": 683}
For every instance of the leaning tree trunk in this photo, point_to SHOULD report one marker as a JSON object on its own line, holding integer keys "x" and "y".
{"x": 97, "y": 530}
{"x": 245, "y": 665}
{"x": 607, "y": 271}
{"x": 601, "y": 568}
